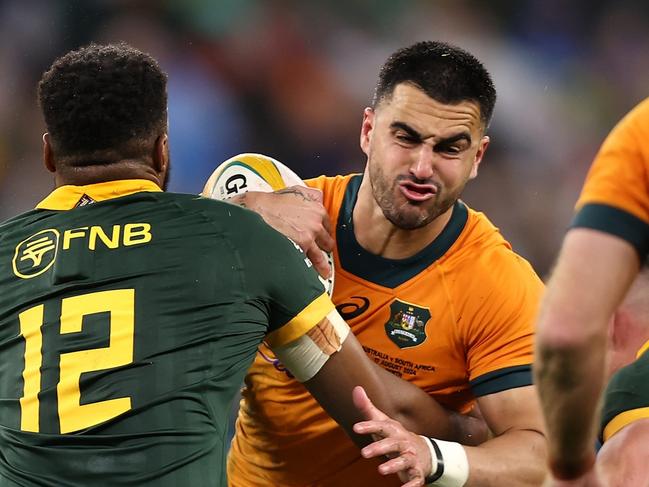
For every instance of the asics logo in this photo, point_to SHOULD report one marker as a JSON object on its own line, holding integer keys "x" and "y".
{"x": 354, "y": 309}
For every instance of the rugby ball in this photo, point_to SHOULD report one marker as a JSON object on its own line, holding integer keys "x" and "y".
{"x": 256, "y": 172}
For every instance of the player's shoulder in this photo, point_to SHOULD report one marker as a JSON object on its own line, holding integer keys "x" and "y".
{"x": 222, "y": 211}
{"x": 483, "y": 254}
{"x": 483, "y": 243}
{"x": 640, "y": 113}
{"x": 626, "y": 391}
{"x": 329, "y": 183}
{"x": 635, "y": 125}
{"x": 630, "y": 379}
{"x": 19, "y": 220}
{"x": 334, "y": 188}
{"x": 20, "y": 224}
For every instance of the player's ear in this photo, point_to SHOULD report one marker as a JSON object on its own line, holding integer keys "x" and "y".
{"x": 161, "y": 156}
{"x": 366, "y": 129}
{"x": 48, "y": 154}
{"x": 482, "y": 148}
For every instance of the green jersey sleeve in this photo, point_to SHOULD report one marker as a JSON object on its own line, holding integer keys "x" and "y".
{"x": 626, "y": 398}
{"x": 278, "y": 272}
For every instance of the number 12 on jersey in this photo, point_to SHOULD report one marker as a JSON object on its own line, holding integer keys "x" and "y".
{"x": 73, "y": 415}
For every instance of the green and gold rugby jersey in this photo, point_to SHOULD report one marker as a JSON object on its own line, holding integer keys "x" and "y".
{"x": 627, "y": 396}
{"x": 128, "y": 318}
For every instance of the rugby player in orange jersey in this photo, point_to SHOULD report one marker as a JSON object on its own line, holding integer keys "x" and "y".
{"x": 429, "y": 286}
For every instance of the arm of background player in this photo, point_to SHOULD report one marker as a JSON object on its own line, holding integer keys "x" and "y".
{"x": 515, "y": 457}
{"x": 298, "y": 213}
{"x": 333, "y": 384}
{"x": 592, "y": 275}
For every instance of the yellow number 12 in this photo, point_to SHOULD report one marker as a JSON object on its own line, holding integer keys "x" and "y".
{"x": 74, "y": 416}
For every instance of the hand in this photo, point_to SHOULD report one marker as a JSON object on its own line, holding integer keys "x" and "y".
{"x": 409, "y": 454}
{"x": 298, "y": 213}
{"x": 589, "y": 479}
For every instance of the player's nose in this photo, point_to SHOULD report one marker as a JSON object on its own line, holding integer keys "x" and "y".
{"x": 422, "y": 167}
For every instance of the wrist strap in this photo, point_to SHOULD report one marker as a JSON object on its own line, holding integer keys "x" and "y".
{"x": 450, "y": 466}
{"x": 438, "y": 461}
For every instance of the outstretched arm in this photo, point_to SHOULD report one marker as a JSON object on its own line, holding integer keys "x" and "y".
{"x": 421, "y": 414}
{"x": 332, "y": 387}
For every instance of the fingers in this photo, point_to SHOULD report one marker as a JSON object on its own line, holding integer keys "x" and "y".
{"x": 388, "y": 446}
{"x": 403, "y": 463}
{"x": 407, "y": 467}
{"x": 366, "y": 408}
{"x": 313, "y": 217}
{"x": 319, "y": 260}
{"x": 382, "y": 428}
{"x": 323, "y": 238}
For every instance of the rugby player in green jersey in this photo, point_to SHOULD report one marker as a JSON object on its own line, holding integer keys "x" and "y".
{"x": 624, "y": 421}
{"x": 129, "y": 316}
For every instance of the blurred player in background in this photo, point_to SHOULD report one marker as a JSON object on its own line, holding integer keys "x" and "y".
{"x": 129, "y": 316}
{"x": 600, "y": 256}
{"x": 430, "y": 287}
{"x": 624, "y": 458}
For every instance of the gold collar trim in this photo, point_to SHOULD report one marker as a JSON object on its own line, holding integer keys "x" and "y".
{"x": 69, "y": 196}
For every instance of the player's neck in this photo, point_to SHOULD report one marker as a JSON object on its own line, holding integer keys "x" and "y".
{"x": 378, "y": 235}
{"x": 127, "y": 169}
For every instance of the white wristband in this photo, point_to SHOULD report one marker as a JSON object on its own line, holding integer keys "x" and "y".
{"x": 449, "y": 461}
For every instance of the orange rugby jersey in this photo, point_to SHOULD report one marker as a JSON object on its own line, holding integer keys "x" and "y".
{"x": 615, "y": 197}
{"x": 456, "y": 320}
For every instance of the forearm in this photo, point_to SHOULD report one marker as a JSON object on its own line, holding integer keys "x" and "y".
{"x": 591, "y": 277}
{"x": 422, "y": 414}
{"x": 516, "y": 459}
{"x": 570, "y": 378}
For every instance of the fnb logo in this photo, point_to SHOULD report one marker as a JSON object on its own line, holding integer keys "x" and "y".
{"x": 36, "y": 254}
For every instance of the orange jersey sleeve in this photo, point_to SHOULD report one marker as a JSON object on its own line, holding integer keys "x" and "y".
{"x": 499, "y": 337}
{"x": 615, "y": 196}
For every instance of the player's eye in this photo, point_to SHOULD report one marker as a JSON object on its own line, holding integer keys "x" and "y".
{"x": 406, "y": 138}
{"x": 451, "y": 149}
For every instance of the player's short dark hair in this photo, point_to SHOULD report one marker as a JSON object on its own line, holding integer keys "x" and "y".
{"x": 102, "y": 103}
{"x": 444, "y": 72}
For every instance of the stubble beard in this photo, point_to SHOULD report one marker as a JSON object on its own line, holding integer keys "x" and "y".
{"x": 408, "y": 215}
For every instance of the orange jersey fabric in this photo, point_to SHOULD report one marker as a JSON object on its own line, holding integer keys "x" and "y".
{"x": 615, "y": 197}
{"x": 455, "y": 319}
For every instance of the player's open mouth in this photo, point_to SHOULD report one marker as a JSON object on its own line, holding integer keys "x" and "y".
{"x": 417, "y": 192}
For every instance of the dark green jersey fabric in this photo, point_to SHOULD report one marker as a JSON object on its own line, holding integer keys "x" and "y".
{"x": 174, "y": 292}
{"x": 627, "y": 390}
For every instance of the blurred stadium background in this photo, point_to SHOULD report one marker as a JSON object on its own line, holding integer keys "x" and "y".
{"x": 291, "y": 78}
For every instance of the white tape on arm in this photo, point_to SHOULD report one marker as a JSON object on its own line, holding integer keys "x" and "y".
{"x": 450, "y": 465}
{"x": 305, "y": 356}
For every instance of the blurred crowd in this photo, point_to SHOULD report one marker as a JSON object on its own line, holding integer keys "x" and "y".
{"x": 290, "y": 79}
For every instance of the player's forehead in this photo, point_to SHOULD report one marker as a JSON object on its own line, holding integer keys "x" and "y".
{"x": 429, "y": 117}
